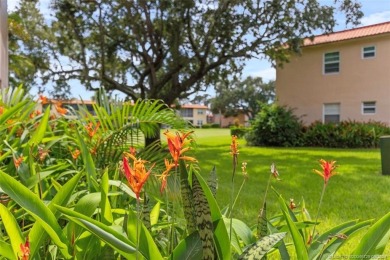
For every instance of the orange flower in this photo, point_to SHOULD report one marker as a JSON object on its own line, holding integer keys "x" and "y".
{"x": 76, "y": 154}
{"x": 327, "y": 170}
{"x": 25, "y": 250}
{"x": 234, "y": 146}
{"x": 91, "y": 130}
{"x": 137, "y": 175}
{"x": 133, "y": 151}
{"x": 292, "y": 204}
{"x": 18, "y": 161}
{"x": 60, "y": 109}
{"x": 43, "y": 100}
{"x": 1, "y": 110}
{"x": 35, "y": 113}
{"x": 176, "y": 143}
{"x": 163, "y": 177}
{"x": 42, "y": 153}
{"x": 274, "y": 171}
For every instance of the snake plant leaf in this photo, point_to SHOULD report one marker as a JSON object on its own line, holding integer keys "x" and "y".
{"x": 13, "y": 230}
{"x": 262, "y": 227}
{"x": 106, "y": 233}
{"x": 145, "y": 213}
{"x": 262, "y": 246}
{"x": 203, "y": 219}
{"x": 335, "y": 243}
{"x": 376, "y": 238}
{"x": 187, "y": 198}
{"x": 37, "y": 209}
{"x": 212, "y": 181}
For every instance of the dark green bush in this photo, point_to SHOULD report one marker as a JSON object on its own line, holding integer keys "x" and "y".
{"x": 239, "y": 131}
{"x": 275, "y": 126}
{"x": 346, "y": 134}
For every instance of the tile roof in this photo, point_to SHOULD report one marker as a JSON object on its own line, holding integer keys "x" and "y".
{"x": 194, "y": 106}
{"x": 370, "y": 30}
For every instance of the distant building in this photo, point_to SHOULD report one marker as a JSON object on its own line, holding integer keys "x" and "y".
{"x": 340, "y": 76}
{"x": 240, "y": 119}
{"x": 195, "y": 114}
{"x": 3, "y": 44}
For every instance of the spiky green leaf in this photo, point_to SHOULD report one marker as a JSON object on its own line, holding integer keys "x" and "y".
{"x": 262, "y": 246}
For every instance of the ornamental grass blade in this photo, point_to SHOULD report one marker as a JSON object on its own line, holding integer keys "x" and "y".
{"x": 12, "y": 228}
{"x": 212, "y": 181}
{"x": 187, "y": 198}
{"x": 39, "y": 133}
{"x": 37, "y": 209}
{"x": 203, "y": 219}
{"x": 262, "y": 227}
{"x": 105, "y": 205}
{"x": 376, "y": 238}
{"x": 259, "y": 249}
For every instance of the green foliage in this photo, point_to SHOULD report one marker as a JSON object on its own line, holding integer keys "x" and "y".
{"x": 346, "y": 134}
{"x": 275, "y": 126}
{"x": 239, "y": 131}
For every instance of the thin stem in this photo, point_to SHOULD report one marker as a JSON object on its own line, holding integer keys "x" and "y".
{"x": 266, "y": 189}
{"x": 232, "y": 196}
{"x": 318, "y": 212}
{"x": 138, "y": 218}
{"x": 239, "y": 191}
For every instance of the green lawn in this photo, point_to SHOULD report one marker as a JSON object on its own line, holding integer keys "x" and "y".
{"x": 358, "y": 191}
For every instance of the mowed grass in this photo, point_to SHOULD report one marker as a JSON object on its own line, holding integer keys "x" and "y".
{"x": 358, "y": 191}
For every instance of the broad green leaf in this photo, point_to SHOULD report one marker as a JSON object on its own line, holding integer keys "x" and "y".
{"x": 155, "y": 213}
{"x": 10, "y": 112}
{"x": 147, "y": 247}
{"x": 299, "y": 243}
{"x": 189, "y": 248}
{"x": 107, "y": 234}
{"x": 375, "y": 240}
{"x": 105, "y": 202}
{"x": 123, "y": 187}
{"x": 259, "y": 249}
{"x": 335, "y": 243}
{"x": 7, "y": 251}
{"x": 33, "y": 205}
{"x": 13, "y": 230}
{"x": 37, "y": 234}
{"x": 317, "y": 245}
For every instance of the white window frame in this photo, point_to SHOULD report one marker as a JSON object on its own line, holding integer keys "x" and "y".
{"x": 336, "y": 105}
{"x": 199, "y": 122}
{"x": 364, "y": 51}
{"x": 331, "y": 62}
{"x": 368, "y": 105}
{"x": 200, "y": 111}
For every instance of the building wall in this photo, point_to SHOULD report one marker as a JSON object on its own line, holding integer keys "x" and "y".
{"x": 241, "y": 119}
{"x": 302, "y": 85}
{"x": 199, "y": 116}
{"x": 3, "y": 44}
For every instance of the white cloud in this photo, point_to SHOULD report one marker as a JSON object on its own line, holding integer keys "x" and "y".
{"x": 374, "y": 18}
{"x": 266, "y": 74}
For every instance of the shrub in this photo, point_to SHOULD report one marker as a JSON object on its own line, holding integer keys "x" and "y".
{"x": 346, "y": 134}
{"x": 275, "y": 126}
{"x": 239, "y": 131}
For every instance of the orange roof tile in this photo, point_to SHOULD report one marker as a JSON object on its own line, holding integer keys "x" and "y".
{"x": 193, "y": 106}
{"x": 359, "y": 32}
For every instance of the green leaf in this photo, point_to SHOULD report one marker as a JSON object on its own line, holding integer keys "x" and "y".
{"x": 11, "y": 112}
{"x": 89, "y": 164}
{"x": 37, "y": 234}
{"x": 375, "y": 240}
{"x": 155, "y": 213}
{"x": 189, "y": 248}
{"x": 7, "y": 251}
{"x": 33, "y": 204}
{"x": 187, "y": 198}
{"x": 107, "y": 234}
{"x": 147, "y": 246}
{"x": 13, "y": 230}
{"x": 335, "y": 243}
{"x": 262, "y": 246}
{"x": 262, "y": 228}
{"x": 39, "y": 133}
{"x": 299, "y": 243}
{"x": 105, "y": 202}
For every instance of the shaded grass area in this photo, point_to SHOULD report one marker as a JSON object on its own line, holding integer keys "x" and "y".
{"x": 358, "y": 191}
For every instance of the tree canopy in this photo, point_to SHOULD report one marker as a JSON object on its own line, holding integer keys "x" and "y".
{"x": 168, "y": 49}
{"x": 244, "y": 96}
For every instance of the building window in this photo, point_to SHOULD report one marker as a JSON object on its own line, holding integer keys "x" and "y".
{"x": 369, "y": 107}
{"x": 331, "y": 62}
{"x": 187, "y": 112}
{"x": 200, "y": 111}
{"x": 332, "y": 113}
{"x": 200, "y": 123}
{"x": 368, "y": 52}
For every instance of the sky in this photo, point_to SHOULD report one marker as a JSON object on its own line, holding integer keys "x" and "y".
{"x": 375, "y": 11}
